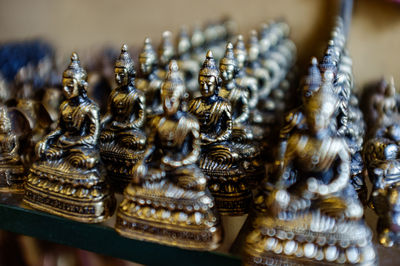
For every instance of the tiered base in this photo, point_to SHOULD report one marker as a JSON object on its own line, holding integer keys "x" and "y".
{"x": 312, "y": 239}
{"x": 58, "y": 195}
{"x": 12, "y": 178}
{"x": 165, "y": 214}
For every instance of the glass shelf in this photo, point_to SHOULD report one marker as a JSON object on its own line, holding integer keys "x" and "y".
{"x": 99, "y": 238}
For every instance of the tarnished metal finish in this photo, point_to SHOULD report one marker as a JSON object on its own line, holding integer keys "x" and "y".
{"x": 122, "y": 142}
{"x": 67, "y": 180}
{"x": 311, "y": 214}
{"x": 188, "y": 66}
{"x": 222, "y": 160}
{"x": 382, "y": 162}
{"x": 168, "y": 201}
{"x": 12, "y": 172}
{"x": 242, "y": 131}
{"x": 149, "y": 81}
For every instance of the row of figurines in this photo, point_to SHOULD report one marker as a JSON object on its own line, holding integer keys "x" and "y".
{"x": 261, "y": 67}
{"x": 306, "y": 211}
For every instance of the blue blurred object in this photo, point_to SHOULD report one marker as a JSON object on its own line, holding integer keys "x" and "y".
{"x": 14, "y": 55}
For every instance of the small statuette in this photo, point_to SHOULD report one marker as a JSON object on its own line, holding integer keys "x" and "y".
{"x": 149, "y": 81}
{"x": 67, "y": 180}
{"x": 309, "y": 213}
{"x": 222, "y": 160}
{"x": 168, "y": 201}
{"x": 381, "y": 157}
{"x": 12, "y": 172}
{"x": 122, "y": 141}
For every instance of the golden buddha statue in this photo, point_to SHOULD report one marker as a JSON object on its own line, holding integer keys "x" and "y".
{"x": 122, "y": 141}
{"x": 12, "y": 172}
{"x": 222, "y": 161}
{"x": 150, "y": 82}
{"x": 67, "y": 180}
{"x": 188, "y": 66}
{"x": 381, "y": 158}
{"x": 168, "y": 201}
{"x": 242, "y": 131}
{"x": 309, "y": 213}
{"x": 254, "y": 68}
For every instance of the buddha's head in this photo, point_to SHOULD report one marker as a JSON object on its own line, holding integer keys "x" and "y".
{"x": 209, "y": 76}
{"x": 253, "y": 49}
{"x": 124, "y": 68}
{"x": 74, "y": 78}
{"x": 183, "y": 42}
{"x": 166, "y": 51}
{"x": 172, "y": 89}
{"x": 321, "y": 106}
{"x": 240, "y": 52}
{"x": 147, "y": 58}
{"x": 227, "y": 65}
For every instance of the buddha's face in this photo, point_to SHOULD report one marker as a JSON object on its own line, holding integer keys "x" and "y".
{"x": 319, "y": 114}
{"x": 240, "y": 58}
{"x": 70, "y": 87}
{"x": 208, "y": 85}
{"x": 170, "y": 103}
{"x": 121, "y": 76}
{"x": 146, "y": 65}
{"x": 227, "y": 72}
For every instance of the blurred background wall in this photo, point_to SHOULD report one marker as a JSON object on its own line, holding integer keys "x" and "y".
{"x": 82, "y": 25}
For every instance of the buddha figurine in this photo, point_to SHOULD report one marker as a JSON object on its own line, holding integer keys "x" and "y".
{"x": 122, "y": 141}
{"x": 150, "y": 82}
{"x": 222, "y": 161}
{"x": 12, "y": 172}
{"x": 189, "y": 67}
{"x": 381, "y": 158}
{"x": 242, "y": 131}
{"x": 254, "y": 68}
{"x": 197, "y": 41}
{"x": 311, "y": 215}
{"x": 168, "y": 201}
{"x": 166, "y": 52}
{"x": 67, "y": 180}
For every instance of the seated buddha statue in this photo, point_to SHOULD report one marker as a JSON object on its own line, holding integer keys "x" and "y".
{"x": 149, "y": 81}
{"x": 242, "y": 131}
{"x": 222, "y": 161}
{"x": 122, "y": 141}
{"x": 168, "y": 201}
{"x": 254, "y": 68}
{"x": 188, "y": 66}
{"x": 310, "y": 215}
{"x": 66, "y": 179}
{"x": 382, "y": 160}
{"x": 12, "y": 172}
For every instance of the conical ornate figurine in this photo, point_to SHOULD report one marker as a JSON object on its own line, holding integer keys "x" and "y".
{"x": 312, "y": 215}
{"x": 188, "y": 66}
{"x": 12, "y": 172}
{"x": 150, "y": 82}
{"x": 67, "y": 179}
{"x": 221, "y": 159}
{"x": 168, "y": 201}
{"x": 381, "y": 158}
{"x": 166, "y": 52}
{"x": 122, "y": 141}
{"x": 242, "y": 131}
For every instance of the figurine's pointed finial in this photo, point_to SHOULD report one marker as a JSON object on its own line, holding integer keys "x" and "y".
{"x": 329, "y": 62}
{"x": 74, "y": 69}
{"x": 229, "y": 57}
{"x": 253, "y": 47}
{"x": 183, "y": 41}
{"x": 209, "y": 67}
{"x": 198, "y": 38}
{"x": 313, "y": 79}
{"x": 125, "y": 61}
{"x": 148, "y": 52}
{"x": 239, "y": 45}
